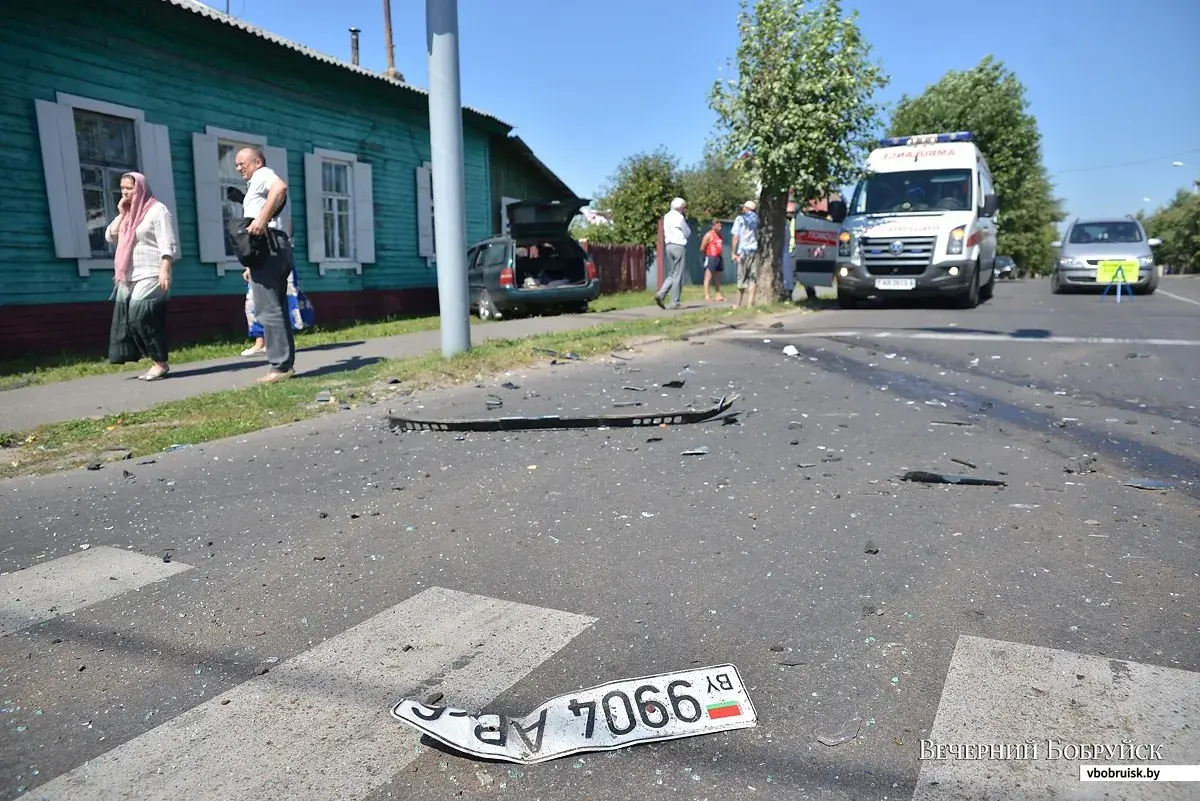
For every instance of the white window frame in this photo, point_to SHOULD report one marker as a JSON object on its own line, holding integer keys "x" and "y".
{"x": 210, "y": 225}
{"x": 426, "y": 240}
{"x": 64, "y": 184}
{"x": 362, "y": 211}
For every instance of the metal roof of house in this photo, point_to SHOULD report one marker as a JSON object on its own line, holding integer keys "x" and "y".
{"x": 203, "y": 10}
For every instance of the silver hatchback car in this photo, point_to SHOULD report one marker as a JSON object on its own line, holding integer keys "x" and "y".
{"x": 1091, "y": 242}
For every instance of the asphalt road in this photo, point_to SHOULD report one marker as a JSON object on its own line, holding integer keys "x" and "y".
{"x": 321, "y": 572}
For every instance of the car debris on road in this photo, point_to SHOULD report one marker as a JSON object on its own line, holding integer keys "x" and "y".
{"x": 667, "y": 706}
{"x": 926, "y": 477}
{"x": 553, "y": 421}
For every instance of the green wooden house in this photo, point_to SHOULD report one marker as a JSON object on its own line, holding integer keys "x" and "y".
{"x": 90, "y": 89}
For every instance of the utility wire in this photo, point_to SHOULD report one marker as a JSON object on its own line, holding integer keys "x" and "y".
{"x": 1128, "y": 163}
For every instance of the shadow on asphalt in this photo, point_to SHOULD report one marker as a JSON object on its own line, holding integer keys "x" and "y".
{"x": 329, "y": 346}
{"x": 345, "y": 365}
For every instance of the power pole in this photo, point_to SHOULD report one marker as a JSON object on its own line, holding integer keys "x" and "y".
{"x": 449, "y": 190}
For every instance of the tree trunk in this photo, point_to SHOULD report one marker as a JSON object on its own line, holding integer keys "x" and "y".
{"x": 772, "y": 234}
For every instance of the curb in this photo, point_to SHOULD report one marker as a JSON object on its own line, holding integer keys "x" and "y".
{"x": 711, "y": 328}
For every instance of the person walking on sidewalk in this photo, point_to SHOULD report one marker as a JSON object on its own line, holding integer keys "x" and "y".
{"x": 146, "y": 251}
{"x": 675, "y": 238}
{"x": 745, "y": 252}
{"x": 711, "y": 246}
{"x": 266, "y": 194}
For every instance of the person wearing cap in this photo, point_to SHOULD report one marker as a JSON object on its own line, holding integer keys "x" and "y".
{"x": 745, "y": 252}
{"x": 675, "y": 237}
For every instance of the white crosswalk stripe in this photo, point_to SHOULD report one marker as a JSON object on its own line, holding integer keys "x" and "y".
{"x": 75, "y": 582}
{"x": 318, "y": 726}
{"x": 1009, "y": 694}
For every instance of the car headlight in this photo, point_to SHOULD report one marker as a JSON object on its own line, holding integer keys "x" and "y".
{"x": 1145, "y": 261}
{"x": 1071, "y": 261}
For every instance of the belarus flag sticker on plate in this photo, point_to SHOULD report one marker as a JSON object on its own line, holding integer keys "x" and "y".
{"x": 615, "y": 715}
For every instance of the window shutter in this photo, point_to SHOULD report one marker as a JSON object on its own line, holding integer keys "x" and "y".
{"x": 277, "y": 160}
{"x": 155, "y": 144}
{"x": 64, "y": 186}
{"x": 210, "y": 225}
{"x": 313, "y": 208}
{"x": 364, "y": 214}
{"x": 425, "y": 244}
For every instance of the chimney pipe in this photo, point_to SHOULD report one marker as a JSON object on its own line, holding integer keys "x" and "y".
{"x": 387, "y": 32}
{"x": 354, "y": 45}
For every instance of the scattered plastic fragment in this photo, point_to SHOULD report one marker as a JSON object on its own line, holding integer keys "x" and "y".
{"x": 790, "y": 350}
{"x": 324, "y": 396}
{"x": 959, "y": 423}
{"x": 635, "y": 389}
{"x": 555, "y": 421}
{"x": 493, "y": 401}
{"x": 627, "y": 404}
{"x": 925, "y": 477}
{"x": 964, "y": 463}
{"x": 871, "y": 548}
{"x": 842, "y": 734}
{"x": 701, "y": 451}
{"x": 1148, "y": 484}
{"x": 509, "y": 385}
{"x": 674, "y": 384}
{"x": 170, "y": 448}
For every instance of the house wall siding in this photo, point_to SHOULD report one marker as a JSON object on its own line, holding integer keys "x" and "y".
{"x": 187, "y": 72}
{"x": 511, "y": 177}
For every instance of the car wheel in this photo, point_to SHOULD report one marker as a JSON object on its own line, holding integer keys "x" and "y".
{"x": 970, "y": 298}
{"x": 847, "y": 301}
{"x": 1056, "y": 287}
{"x": 985, "y": 291}
{"x": 487, "y": 309}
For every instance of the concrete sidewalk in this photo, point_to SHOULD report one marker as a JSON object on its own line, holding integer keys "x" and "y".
{"x": 101, "y": 395}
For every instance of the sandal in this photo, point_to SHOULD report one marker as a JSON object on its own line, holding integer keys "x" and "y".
{"x": 152, "y": 375}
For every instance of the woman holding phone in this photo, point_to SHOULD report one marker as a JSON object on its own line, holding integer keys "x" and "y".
{"x": 144, "y": 234}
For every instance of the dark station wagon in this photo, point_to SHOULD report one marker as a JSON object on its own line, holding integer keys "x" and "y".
{"x": 536, "y": 267}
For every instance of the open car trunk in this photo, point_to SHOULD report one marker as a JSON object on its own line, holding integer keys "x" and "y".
{"x": 549, "y": 263}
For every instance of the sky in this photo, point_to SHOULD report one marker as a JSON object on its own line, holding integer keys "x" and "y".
{"x": 1115, "y": 86}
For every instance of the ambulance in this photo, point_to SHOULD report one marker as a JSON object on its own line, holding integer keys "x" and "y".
{"x": 921, "y": 223}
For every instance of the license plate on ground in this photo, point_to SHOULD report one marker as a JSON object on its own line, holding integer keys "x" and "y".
{"x": 895, "y": 283}
{"x": 615, "y": 715}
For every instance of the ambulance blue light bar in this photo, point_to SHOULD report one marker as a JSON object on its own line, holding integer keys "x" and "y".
{"x": 925, "y": 139}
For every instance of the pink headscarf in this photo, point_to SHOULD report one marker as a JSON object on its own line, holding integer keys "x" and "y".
{"x": 140, "y": 203}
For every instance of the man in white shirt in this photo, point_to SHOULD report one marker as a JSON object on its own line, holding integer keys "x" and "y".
{"x": 675, "y": 237}
{"x": 266, "y": 194}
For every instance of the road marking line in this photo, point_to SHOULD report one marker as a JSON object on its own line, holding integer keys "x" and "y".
{"x": 1012, "y": 694}
{"x": 318, "y": 725}
{"x": 963, "y": 337}
{"x": 73, "y": 582}
{"x": 1179, "y": 297}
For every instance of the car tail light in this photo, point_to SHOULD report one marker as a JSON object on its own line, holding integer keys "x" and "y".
{"x": 506, "y": 277}
{"x": 590, "y": 266}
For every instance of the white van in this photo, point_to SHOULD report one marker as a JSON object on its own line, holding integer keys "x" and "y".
{"x": 920, "y": 223}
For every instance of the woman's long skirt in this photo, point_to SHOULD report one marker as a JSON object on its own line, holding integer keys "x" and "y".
{"x": 139, "y": 324}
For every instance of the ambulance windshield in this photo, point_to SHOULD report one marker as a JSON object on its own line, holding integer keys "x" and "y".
{"x": 913, "y": 191}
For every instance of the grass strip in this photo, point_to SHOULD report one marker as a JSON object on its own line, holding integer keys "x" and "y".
{"x": 29, "y": 370}
{"x": 235, "y": 412}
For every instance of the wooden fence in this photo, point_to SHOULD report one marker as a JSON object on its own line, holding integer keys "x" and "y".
{"x": 622, "y": 268}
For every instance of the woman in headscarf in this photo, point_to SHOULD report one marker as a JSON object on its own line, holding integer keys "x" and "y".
{"x": 146, "y": 251}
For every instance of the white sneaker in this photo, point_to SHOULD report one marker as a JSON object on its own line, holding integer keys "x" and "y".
{"x": 253, "y": 350}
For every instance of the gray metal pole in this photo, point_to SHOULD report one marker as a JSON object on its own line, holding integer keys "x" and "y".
{"x": 449, "y": 190}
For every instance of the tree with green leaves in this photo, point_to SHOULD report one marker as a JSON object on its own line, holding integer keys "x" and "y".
{"x": 714, "y": 188}
{"x": 1178, "y": 226}
{"x": 637, "y": 195}
{"x": 801, "y": 105}
{"x": 989, "y": 101}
